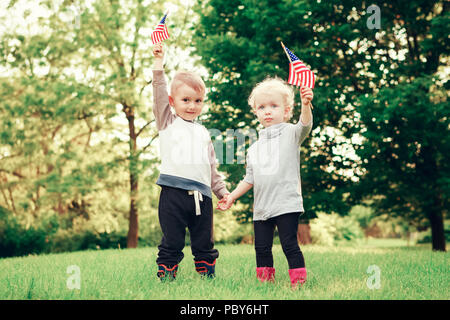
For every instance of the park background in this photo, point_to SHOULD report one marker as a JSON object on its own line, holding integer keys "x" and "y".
{"x": 79, "y": 146}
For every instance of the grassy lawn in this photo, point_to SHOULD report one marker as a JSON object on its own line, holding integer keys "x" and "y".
{"x": 333, "y": 273}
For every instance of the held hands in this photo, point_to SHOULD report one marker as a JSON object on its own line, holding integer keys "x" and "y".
{"x": 225, "y": 203}
{"x": 306, "y": 95}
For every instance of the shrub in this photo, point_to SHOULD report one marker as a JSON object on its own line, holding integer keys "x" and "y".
{"x": 326, "y": 229}
{"x": 363, "y": 215}
{"x": 68, "y": 240}
{"x": 17, "y": 240}
{"x": 425, "y": 236}
{"x": 228, "y": 230}
{"x": 150, "y": 233}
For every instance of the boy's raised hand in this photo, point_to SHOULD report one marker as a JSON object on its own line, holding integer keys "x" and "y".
{"x": 306, "y": 95}
{"x": 158, "y": 52}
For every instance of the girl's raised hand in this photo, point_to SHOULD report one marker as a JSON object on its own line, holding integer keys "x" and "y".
{"x": 306, "y": 95}
{"x": 158, "y": 51}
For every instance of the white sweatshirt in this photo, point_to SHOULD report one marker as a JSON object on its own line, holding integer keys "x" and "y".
{"x": 188, "y": 160}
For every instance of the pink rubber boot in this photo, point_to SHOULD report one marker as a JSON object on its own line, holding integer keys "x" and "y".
{"x": 265, "y": 274}
{"x": 297, "y": 275}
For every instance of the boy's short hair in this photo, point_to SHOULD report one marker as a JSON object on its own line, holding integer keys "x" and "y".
{"x": 188, "y": 78}
{"x": 270, "y": 84}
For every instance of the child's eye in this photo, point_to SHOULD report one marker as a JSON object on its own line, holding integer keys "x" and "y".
{"x": 185, "y": 99}
{"x": 261, "y": 107}
{"x": 198, "y": 101}
{"x": 274, "y": 106}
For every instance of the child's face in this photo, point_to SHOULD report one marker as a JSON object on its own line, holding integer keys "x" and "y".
{"x": 187, "y": 102}
{"x": 270, "y": 108}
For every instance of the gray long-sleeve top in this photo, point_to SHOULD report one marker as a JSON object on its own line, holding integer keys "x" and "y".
{"x": 273, "y": 168}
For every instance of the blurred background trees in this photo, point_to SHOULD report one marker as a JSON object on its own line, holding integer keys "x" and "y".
{"x": 381, "y": 116}
{"x": 78, "y": 147}
{"x": 76, "y": 110}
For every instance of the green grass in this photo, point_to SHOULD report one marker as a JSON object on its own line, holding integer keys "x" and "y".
{"x": 333, "y": 273}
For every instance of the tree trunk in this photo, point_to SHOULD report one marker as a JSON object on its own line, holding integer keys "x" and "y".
{"x": 429, "y": 168}
{"x": 133, "y": 227}
{"x": 304, "y": 234}
{"x": 437, "y": 227}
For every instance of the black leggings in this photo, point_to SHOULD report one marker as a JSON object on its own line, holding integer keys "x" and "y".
{"x": 287, "y": 225}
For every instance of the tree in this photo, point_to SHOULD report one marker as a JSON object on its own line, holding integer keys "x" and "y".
{"x": 366, "y": 79}
{"x": 239, "y": 42}
{"x": 405, "y": 150}
{"x": 407, "y": 119}
{"x": 45, "y": 126}
{"x": 99, "y": 66}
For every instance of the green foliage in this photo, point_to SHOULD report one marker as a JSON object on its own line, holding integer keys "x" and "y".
{"x": 305, "y": 28}
{"x": 18, "y": 240}
{"x": 68, "y": 240}
{"x": 82, "y": 229}
{"x": 386, "y": 226}
{"x": 381, "y": 114}
{"x": 329, "y": 229}
{"x": 228, "y": 230}
{"x": 75, "y": 116}
{"x": 405, "y": 148}
{"x": 425, "y": 236}
{"x": 362, "y": 214}
{"x": 72, "y": 92}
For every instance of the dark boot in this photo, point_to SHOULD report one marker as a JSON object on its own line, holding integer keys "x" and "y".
{"x": 206, "y": 269}
{"x": 166, "y": 273}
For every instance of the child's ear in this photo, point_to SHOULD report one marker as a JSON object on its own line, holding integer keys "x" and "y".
{"x": 287, "y": 110}
{"x": 171, "y": 101}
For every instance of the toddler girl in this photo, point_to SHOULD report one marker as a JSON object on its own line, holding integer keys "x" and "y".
{"x": 273, "y": 170}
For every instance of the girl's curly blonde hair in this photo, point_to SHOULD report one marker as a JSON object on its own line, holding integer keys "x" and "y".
{"x": 271, "y": 84}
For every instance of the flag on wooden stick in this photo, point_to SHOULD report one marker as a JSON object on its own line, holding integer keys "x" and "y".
{"x": 160, "y": 33}
{"x": 299, "y": 73}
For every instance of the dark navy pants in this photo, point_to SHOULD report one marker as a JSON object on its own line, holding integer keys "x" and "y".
{"x": 176, "y": 212}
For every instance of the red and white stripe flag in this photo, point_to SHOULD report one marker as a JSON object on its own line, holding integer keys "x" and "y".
{"x": 160, "y": 33}
{"x": 299, "y": 74}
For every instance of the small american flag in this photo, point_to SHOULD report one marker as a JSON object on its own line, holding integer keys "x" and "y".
{"x": 299, "y": 73}
{"x": 160, "y": 33}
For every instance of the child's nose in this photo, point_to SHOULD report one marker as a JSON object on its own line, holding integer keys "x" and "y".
{"x": 191, "y": 107}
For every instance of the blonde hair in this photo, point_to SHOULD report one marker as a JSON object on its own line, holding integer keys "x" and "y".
{"x": 271, "y": 84}
{"x": 188, "y": 78}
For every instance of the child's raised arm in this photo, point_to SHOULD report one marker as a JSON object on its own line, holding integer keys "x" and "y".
{"x": 161, "y": 106}
{"x": 306, "y": 95}
{"x": 304, "y": 124}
